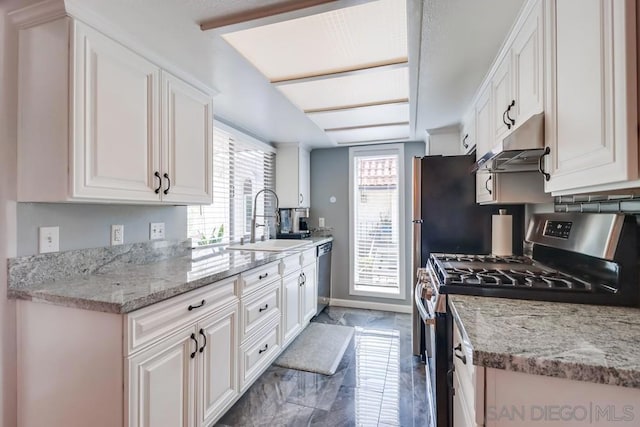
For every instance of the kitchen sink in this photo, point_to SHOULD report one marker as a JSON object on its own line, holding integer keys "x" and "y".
{"x": 274, "y": 245}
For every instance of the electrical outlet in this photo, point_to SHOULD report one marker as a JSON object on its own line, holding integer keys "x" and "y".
{"x": 321, "y": 222}
{"x": 156, "y": 230}
{"x": 49, "y": 239}
{"x": 117, "y": 235}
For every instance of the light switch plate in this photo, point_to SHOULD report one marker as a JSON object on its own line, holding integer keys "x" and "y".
{"x": 117, "y": 234}
{"x": 321, "y": 222}
{"x": 156, "y": 230}
{"x": 49, "y": 238}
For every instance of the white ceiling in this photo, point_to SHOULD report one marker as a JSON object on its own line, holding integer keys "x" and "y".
{"x": 459, "y": 41}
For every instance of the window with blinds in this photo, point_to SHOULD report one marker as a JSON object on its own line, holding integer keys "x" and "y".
{"x": 376, "y": 187}
{"x": 240, "y": 169}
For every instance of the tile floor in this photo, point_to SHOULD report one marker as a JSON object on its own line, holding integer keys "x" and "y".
{"x": 378, "y": 382}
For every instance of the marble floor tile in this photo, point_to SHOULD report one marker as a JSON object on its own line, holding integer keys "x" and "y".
{"x": 378, "y": 382}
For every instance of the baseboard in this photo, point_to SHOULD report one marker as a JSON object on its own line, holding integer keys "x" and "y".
{"x": 367, "y": 305}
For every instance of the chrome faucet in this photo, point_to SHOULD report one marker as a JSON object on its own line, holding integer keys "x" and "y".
{"x": 276, "y": 215}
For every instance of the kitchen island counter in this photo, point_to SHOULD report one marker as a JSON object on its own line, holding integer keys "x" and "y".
{"x": 599, "y": 344}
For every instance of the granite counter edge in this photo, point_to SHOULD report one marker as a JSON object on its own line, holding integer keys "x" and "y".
{"x": 42, "y": 296}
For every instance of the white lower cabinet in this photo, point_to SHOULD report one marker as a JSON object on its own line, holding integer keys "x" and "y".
{"x": 188, "y": 379}
{"x": 181, "y": 362}
{"x": 162, "y": 383}
{"x": 291, "y": 288}
{"x": 309, "y": 293}
{"x": 217, "y": 374}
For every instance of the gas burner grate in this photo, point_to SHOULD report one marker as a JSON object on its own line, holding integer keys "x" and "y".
{"x": 488, "y": 259}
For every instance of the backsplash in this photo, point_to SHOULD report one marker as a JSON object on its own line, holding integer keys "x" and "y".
{"x": 598, "y": 204}
{"x": 26, "y": 270}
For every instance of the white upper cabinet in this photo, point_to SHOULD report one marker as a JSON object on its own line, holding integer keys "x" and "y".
{"x": 502, "y": 102}
{"x": 591, "y": 99}
{"x": 293, "y": 176}
{"x": 100, "y": 123}
{"x": 484, "y": 182}
{"x": 116, "y": 148}
{"x": 468, "y": 132}
{"x": 187, "y": 136}
{"x": 527, "y": 68}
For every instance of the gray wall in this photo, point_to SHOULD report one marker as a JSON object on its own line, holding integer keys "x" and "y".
{"x": 89, "y": 225}
{"x": 330, "y": 177}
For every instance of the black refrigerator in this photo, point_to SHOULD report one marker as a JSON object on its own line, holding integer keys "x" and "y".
{"x": 446, "y": 218}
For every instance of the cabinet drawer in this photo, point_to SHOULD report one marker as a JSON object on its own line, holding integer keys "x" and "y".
{"x": 153, "y": 323}
{"x": 259, "y": 308}
{"x": 290, "y": 265}
{"x": 255, "y": 279}
{"x": 258, "y": 353}
{"x": 308, "y": 256}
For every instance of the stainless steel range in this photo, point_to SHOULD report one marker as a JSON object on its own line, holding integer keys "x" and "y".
{"x": 572, "y": 257}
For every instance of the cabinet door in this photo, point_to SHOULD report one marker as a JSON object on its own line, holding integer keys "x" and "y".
{"x": 116, "y": 120}
{"x": 187, "y": 138}
{"x": 291, "y": 286}
{"x": 527, "y": 57}
{"x": 591, "y": 103}
{"x": 218, "y": 368}
{"x": 468, "y": 133}
{"x": 309, "y": 293}
{"x": 304, "y": 177}
{"x": 484, "y": 132}
{"x": 501, "y": 98}
{"x": 161, "y": 383}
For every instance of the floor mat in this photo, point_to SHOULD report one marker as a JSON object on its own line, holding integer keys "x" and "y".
{"x": 319, "y": 348}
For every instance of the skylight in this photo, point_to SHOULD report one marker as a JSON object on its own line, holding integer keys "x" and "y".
{"x": 336, "y": 62}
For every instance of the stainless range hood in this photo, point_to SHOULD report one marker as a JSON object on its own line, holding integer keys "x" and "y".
{"x": 520, "y": 151}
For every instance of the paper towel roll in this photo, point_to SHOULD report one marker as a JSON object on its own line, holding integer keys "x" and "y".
{"x": 501, "y": 230}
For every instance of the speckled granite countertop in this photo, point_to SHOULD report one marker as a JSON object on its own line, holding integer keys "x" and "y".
{"x": 579, "y": 342}
{"x": 121, "y": 279}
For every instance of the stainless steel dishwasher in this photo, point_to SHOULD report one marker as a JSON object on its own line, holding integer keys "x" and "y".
{"x": 324, "y": 275}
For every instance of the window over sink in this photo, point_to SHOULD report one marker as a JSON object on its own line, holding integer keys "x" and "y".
{"x": 241, "y": 167}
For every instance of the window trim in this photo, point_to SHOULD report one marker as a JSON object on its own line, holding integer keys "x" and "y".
{"x": 385, "y": 149}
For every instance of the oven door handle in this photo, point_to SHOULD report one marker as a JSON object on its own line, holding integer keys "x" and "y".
{"x": 426, "y": 315}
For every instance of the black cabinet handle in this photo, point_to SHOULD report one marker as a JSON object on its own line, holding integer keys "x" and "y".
{"x": 193, "y": 307}
{"x": 157, "y": 175}
{"x": 263, "y": 276}
{"x": 547, "y": 176}
{"x": 462, "y": 357}
{"x": 304, "y": 279}
{"x": 504, "y": 120}
{"x": 301, "y": 198}
{"x": 205, "y": 340}
{"x": 300, "y": 282}
{"x": 486, "y": 184}
{"x": 266, "y": 346}
{"x": 166, "y": 191}
{"x": 193, "y": 337}
{"x": 513, "y": 122}
{"x": 261, "y": 309}
{"x": 464, "y": 141}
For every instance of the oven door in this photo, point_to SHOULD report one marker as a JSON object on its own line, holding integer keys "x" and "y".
{"x": 425, "y": 308}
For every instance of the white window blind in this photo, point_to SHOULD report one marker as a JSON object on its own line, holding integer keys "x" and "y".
{"x": 375, "y": 221}
{"x": 240, "y": 170}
